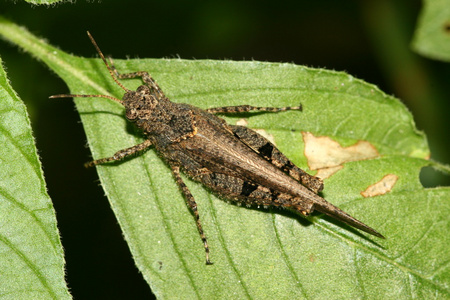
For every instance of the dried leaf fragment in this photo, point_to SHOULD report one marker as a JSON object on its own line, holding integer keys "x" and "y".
{"x": 327, "y": 156}
{"x": 242, "y": 122}
{"x": 270, "y": 137}
{"x": 382, "y": 187}
{"x": 327, "y": 172}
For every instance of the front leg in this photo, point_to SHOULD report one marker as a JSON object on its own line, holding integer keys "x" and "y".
{"x": 193, "y": 206}
{"x": 145, "y": 76}
{"x": 121, "y": 154}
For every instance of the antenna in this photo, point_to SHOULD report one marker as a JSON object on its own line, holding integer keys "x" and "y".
{"x": 106, "y": 63}
{"x": 111, "y": 72}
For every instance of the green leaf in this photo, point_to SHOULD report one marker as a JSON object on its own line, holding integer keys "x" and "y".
{"x": 31, "y": 255}
{"x": 261, "y": 252}
{"x": 432, "y": 36}
{"x": 46, "y": 2}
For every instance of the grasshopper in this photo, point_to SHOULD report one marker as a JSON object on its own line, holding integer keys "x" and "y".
{"x": 233, "y": 161}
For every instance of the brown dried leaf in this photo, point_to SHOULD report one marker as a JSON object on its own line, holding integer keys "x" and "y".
{"x": 327, "y": 156}
{"x": 382, "y": 187}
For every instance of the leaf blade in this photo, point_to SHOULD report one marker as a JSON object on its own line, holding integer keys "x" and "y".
{"x": 432, "y": 35}
{"x": 250, "y": 245}
{"x": 31, "y": 254}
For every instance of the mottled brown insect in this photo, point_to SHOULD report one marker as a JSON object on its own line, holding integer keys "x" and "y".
{"x": 233, "y": 161}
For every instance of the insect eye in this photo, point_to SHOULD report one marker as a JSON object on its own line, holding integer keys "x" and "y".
{"x": 143, "y": 89}
{"x": 131, "y": 114}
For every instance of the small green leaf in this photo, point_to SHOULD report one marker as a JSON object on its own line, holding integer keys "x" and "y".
{"x": 432, "y": 36}
{"x": 31, "y": 255}
{"x": 261, "y": 252}
{"x": 45, "y": 2}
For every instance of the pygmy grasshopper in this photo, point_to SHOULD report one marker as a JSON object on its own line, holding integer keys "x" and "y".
{"x": 233, "y": 161}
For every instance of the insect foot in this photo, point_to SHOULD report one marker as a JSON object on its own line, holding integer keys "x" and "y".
{"x": 233, "y": 161}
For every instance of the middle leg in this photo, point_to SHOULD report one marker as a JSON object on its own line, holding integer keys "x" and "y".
{"x": 193, "y": 206}
{"x": 119, "y": 155}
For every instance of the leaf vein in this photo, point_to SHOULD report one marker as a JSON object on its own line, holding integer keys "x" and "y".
{"x": 225, "y": 248}
{"x": 286, "y": 258}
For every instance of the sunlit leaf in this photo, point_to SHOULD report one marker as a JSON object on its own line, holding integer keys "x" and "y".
{"x": 31, "y": 255}
{"x": 261, "y": 252}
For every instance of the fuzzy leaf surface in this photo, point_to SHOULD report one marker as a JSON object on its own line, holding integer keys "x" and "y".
{"x": 261, "y": 252}
{"x": 31, "y": 255}
{"x": 432, "y": 36}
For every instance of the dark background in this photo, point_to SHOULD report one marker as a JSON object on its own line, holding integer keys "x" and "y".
{"x": 368, "y": 39}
